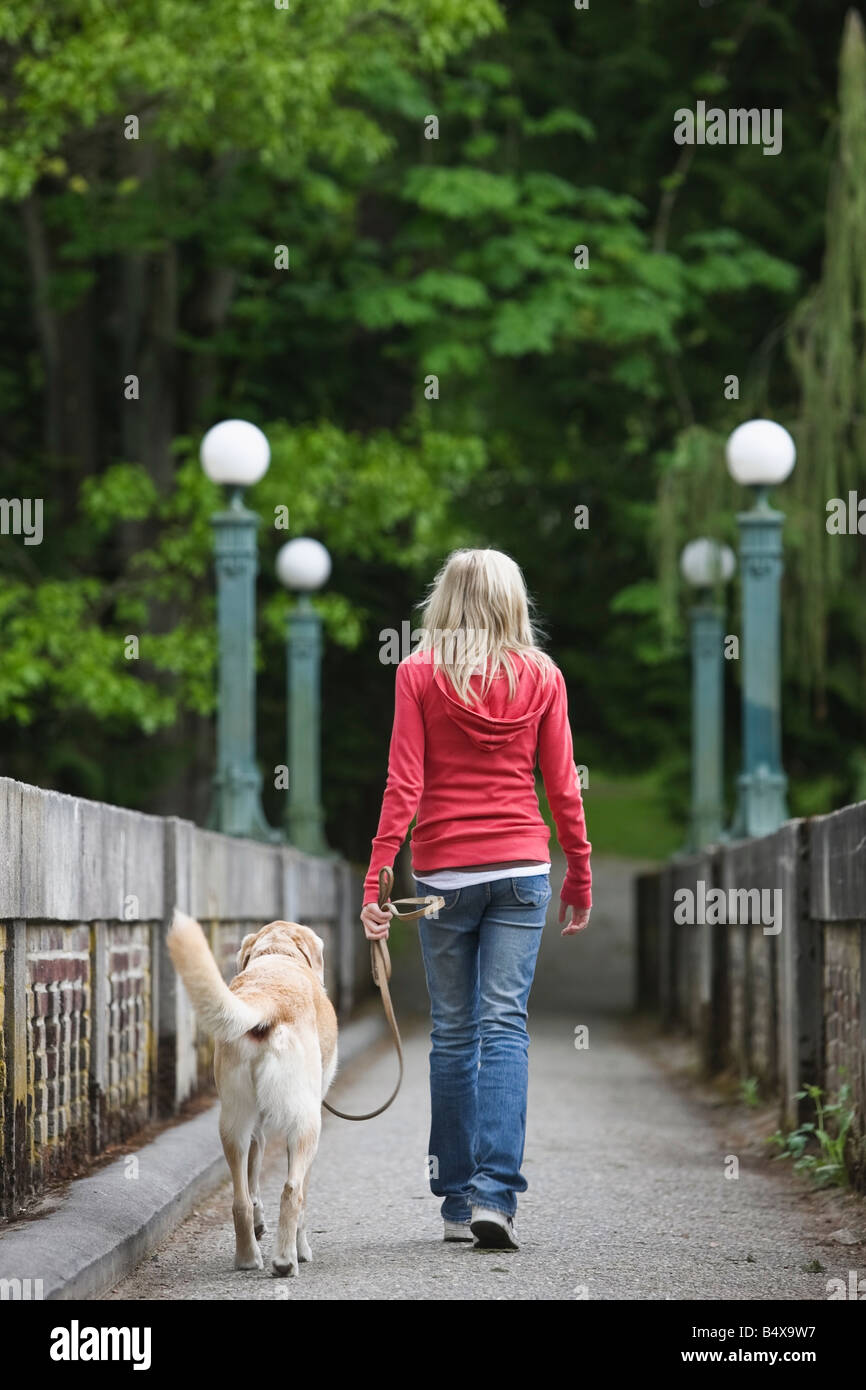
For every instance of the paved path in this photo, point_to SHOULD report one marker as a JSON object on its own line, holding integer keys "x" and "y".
{"x": 627, "y": 1197}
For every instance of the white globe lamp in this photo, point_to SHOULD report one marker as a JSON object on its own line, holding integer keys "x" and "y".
{"x": 303, "y": 565}
{"x": 760, "y": 454}
{"x": 705, "y": 562}
{"x": 235, "y": 453}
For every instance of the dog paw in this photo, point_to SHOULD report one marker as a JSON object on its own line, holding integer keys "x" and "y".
{"x": 284, "y": 1269}
{"x": 250, "y": 1261}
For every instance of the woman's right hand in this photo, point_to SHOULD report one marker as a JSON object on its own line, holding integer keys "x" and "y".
{"x": 376, "y": 921}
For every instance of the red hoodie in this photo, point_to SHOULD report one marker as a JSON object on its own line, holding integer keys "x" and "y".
{"x": 469, "y": 773}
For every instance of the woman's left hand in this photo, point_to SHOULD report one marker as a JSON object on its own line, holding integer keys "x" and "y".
{"x": 579, "y": 918}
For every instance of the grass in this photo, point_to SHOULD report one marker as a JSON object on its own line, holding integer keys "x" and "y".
{"x": 827, "y": 1167}
{"x": 625, "y": 817}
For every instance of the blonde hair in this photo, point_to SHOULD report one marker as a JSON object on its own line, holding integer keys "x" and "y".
{"x": 477, "y": 616}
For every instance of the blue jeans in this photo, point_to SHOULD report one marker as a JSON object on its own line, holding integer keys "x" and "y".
{"x": 479, "y": 959}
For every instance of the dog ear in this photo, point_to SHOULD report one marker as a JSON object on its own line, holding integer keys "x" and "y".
{"x": 244, "y": 952}
{"x": 312, "y": 947}
{"x": 304, "y": 950}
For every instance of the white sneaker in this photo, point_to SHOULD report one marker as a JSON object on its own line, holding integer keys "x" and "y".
{"x": 457, "y": 1230}
{"x": 493, "y": 1230}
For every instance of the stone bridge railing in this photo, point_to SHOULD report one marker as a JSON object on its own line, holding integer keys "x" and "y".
{"x": 98, "y": 1037}
{"x": 779, "y": 998}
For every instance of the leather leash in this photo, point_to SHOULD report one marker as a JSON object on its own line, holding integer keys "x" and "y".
{"x": 380, "y": 963}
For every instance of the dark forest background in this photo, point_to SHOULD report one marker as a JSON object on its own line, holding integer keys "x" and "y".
{"x": 410, "y": 257}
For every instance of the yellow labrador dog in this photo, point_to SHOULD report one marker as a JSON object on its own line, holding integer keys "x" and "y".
{"x": 275, "y": 1032}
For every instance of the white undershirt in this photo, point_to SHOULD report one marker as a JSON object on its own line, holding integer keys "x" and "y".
{"x": 460, "y": 878}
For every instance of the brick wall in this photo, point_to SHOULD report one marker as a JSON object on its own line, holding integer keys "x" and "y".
{"x": 843, "y": 1029}
{"x": 129, "y": 1026}
{"x": 58, "y": 1047}
{"x": 841, "y": 1001}
{"x": 762, "y": 1061}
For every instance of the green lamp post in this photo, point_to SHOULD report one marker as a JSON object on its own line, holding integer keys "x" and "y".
{"x": 759, "y": 455}
{"x": 236, "y": 454}
{"x": 705, "y": 564}
{"x": 304, "y": 565}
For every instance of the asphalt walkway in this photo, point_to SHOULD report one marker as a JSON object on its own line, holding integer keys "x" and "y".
{"x": 627, "y": 1198}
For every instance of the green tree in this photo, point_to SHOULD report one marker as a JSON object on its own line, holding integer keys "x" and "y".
{"x": 410, "y": 258}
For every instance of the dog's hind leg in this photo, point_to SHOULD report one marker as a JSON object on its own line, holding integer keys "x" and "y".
{"x": 254, "y": 1168}
{"x": 305, "y": 1254}
{"x": 302, "y": 1151}
{"x": 236, "y": 1146}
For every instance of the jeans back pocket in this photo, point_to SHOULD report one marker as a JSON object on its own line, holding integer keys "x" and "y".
{"x": 532, "y": 889}
{"x": 451, "y": 895}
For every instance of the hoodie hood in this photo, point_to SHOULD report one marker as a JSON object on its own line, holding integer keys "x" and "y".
{"x": 496, "y": 720}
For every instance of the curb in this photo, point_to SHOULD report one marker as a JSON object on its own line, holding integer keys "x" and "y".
{"x": 106, "y": 1224}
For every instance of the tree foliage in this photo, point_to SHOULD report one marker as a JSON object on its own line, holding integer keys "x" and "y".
{"x": 560, "y": 380}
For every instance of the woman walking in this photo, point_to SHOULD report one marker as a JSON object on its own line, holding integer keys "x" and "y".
{"x": 475, "y": 704}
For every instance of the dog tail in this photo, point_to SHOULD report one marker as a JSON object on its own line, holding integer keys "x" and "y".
{"x": 221, "y": 1013}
